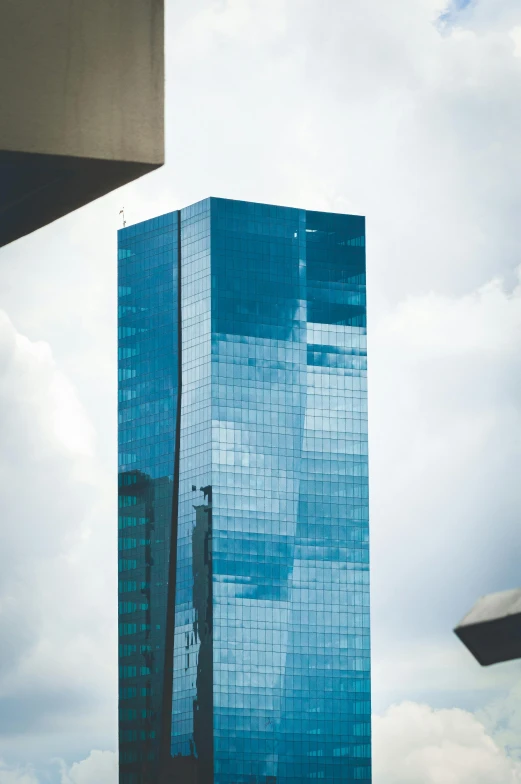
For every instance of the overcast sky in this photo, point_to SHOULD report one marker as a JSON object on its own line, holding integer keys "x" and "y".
{"x": 406, "y": 111}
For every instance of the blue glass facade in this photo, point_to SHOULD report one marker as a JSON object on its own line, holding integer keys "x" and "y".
{"x": 243, "y": 426}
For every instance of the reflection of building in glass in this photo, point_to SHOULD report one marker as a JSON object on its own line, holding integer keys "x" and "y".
{"x": 144, "y": 522}
{"x": 243, "y": 451}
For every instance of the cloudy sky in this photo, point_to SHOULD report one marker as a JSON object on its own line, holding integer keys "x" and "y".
{"x": 406, "y": 111}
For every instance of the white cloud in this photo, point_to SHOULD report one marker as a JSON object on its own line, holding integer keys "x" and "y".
{"x": 414, "y": 744}
{"x": 515, "y": 35}
{"x": 16, "y": 775}
{"x": 341, "y": 105}
{"x": 30, "y": 378}
{"x": 219, "y": 22}
{"x": 502, "y": 719}
{"x": 487, "y": 321}
{"x": 41, "y": 446}
{"x": 54, "y": 619}
{"x": 446, "y": 437}
{"x": 100, "y": 767}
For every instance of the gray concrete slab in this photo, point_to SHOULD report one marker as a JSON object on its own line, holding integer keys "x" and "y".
{"x": 492, "y": 629}
{"x": 82, "y": 104}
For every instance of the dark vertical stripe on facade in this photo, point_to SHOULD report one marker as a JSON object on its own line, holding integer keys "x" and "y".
{"x": 203, "y": 605}
{"x": 168, "y": 683}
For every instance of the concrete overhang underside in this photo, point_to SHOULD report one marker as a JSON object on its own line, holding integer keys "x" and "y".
{"x": 492, "y": 629}
{"x": 81, "y": 104}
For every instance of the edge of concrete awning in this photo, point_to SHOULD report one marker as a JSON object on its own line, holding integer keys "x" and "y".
{"x": 491, "y": 630}
{"x": 48, "y": 187}
{"x": 82, "y": 105}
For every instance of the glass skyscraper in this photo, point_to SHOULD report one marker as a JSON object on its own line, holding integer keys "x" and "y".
{"x": 244, "y": 646}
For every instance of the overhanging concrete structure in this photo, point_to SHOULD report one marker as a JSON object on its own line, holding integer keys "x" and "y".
{"x": 492, "y": 629}
{"x": 81, "y": 104}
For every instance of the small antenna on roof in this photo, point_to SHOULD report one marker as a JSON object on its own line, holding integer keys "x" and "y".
{"x": 122, "y": 212}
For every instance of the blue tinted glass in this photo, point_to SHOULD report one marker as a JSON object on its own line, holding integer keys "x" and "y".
{"x": 271, "y": 668}
{"x": 147, "y": 398}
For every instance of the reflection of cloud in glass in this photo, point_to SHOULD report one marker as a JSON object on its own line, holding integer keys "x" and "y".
{"x": 271, "y": 643}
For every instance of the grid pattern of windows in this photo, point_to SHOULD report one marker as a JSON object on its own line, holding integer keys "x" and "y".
{"x": 192, "y": 693}
{"x": 290, "y": 508}
{"x": 271, "y": 647}
{"x": 147, "y": 399}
